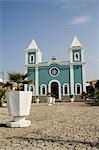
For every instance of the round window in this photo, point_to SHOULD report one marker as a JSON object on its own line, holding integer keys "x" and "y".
{"x": 54, "y": 71}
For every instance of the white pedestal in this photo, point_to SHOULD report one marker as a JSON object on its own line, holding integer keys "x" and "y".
{"x": 37, "y": 100}
{"x": 50, "y": 104}
{"x": 53, "y": 100}
{"x": 50, "y": 100}
{"x": 19, "y": 122}
{"x": 72, "y": 100}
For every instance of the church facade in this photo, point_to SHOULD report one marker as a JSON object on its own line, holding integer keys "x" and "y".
{"x": 61, "y": 78}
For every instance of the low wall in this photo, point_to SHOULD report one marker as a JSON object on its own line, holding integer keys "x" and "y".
{"x": 43, "y": 99}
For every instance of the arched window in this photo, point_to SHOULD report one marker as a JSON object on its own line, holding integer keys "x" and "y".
{"x": 76, "y": 56}
{"x": 43, "y": 89}
{"x": 31, "y": 58}
{"x": 31, "y": 88}
{"x": 65, "y": 89}
{"x": 78, "y": 88}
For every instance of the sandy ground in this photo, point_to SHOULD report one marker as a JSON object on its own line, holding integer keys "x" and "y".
{"x": 63, "y": 126}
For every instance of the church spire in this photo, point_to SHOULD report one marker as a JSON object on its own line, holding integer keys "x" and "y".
{"x": 75, "y": 42}
{"x": 33, "y": 45}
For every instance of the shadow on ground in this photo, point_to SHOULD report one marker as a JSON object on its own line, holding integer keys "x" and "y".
{"x": 59, "y": 141}
{"x": 3, "y": 125}
{"x": 92, "y": 102}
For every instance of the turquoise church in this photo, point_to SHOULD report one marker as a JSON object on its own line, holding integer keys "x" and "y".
{"x": 61, "y": 78}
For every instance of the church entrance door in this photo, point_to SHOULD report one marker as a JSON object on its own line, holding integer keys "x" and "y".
{"x": 55, "y": 89}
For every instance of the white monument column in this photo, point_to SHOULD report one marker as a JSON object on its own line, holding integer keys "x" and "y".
{"x": 72, "y": 79}
{"x": 84, "y": 77}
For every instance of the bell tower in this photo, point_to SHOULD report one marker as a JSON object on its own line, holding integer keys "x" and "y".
{"x": 33, "y": 54}
{"x": 76, "y": 57}
{"x": 76, "y": 51}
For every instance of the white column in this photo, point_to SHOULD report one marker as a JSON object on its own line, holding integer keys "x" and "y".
{"x": 71, "y": 79}
{"x": 71, "y": 55}
{"x": 82, "y": 55}
{"x": 60, "y": 92}
{"x": 84, "y": 76}
{"x": 36, "y": 81}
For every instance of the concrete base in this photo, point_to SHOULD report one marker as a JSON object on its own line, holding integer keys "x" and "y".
{"x": 50, "y": 104}
{"x": 19, "y": 122}
{"x": 37, "y": 100}
{"x": 72, "y": 100}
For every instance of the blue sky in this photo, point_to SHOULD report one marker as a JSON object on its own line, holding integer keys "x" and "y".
{"x": 53, "y": 23}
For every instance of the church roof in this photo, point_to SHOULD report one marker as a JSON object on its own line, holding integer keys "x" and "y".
{"x": 75, "y": 42}
{"x": 33, "y": 45}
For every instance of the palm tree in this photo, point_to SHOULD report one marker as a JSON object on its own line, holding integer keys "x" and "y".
{"x": 17, "y": 81}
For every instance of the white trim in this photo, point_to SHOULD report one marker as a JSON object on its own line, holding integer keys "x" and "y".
{"x": 59, "y": 87}
{"x": 71, "y": 55}
{"x": 41, "y": 92}
{"x": 76, "y": 59}
{"x": 71, "y": 79}
{"x": 39, "y": 56}
{"x": 84, "y": 77}
{"x": 62, "y": 63}
{"x": 65, "y": 84}
{"x": 36, "y": 81}
{"x": 52, "y": 74}
{"x": 76, "y": 88}
{"x": 82, "y": 55}
{"x": 30, "y": 58}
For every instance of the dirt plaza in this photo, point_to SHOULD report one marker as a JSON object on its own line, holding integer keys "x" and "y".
{"x": 63, "y": 126}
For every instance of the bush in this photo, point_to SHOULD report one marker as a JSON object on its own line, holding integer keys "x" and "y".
{"x": 2, "y": 97}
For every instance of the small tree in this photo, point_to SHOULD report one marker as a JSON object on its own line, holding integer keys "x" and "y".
{"x": 90, "y": 91}
{"x": 17, "y": 81}
{"x": 2, "y": 94}
{"x": 97, "y": 91}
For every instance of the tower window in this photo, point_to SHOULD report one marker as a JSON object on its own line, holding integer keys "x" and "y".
{"x": 76, "y": 56}
{"x": 31, "y": 58}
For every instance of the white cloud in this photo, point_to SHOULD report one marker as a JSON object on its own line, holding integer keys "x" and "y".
{"x": 79, "y": 20}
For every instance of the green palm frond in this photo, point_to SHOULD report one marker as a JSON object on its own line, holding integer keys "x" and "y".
{"x": 19, "y": 79}
{"x": 14, "y": 77}
{"x": 25, "y": 76}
